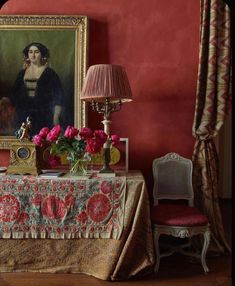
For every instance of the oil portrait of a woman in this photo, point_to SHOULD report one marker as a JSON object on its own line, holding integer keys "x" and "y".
{"x": 37, "y": 91}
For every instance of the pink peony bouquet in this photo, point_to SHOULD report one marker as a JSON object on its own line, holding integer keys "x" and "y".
{"x": 78, "y": 144}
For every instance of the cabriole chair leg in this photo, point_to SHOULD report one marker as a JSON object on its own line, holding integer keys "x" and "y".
{"x": 206, "y": 236}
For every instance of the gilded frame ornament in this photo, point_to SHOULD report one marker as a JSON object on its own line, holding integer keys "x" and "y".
{"x": 75, "y": 28}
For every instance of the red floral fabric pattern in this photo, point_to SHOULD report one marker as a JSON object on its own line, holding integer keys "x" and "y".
{"x": 106, "y": 187}
{"x": 99, "y": 207}
{"x": 33, "y": 207}
{"x": 53, "y": 207}
{"x": 9, "y": 208}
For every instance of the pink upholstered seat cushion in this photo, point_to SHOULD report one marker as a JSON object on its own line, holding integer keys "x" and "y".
{"x": 178, "y": 215}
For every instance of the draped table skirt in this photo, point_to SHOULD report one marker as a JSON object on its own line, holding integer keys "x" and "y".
{"x": 128, "y": 254}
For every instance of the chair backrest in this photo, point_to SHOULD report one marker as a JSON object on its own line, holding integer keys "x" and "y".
{"x": 172, "y": 178}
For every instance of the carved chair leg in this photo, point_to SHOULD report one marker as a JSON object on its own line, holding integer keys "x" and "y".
{"x": 204, "y": 250}
{"x": 157, "y": 250}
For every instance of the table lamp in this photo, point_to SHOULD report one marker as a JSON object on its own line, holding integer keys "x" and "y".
{"x": 106, "y": 87}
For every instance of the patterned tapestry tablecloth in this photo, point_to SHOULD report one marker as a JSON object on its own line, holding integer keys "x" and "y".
{"x": 108, "y": 259}
{"x": 58, "y": 208}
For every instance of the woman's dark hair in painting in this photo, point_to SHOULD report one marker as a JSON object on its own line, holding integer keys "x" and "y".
{"x": 43, "y": 49}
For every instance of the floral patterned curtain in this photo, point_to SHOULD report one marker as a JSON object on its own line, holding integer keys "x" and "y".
{"x": 213, "y": 102}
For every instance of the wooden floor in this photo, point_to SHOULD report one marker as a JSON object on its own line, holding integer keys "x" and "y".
{"x": 171, "y": 272}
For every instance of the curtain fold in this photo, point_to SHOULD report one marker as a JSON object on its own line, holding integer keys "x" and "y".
{"x": 213, "y": 102}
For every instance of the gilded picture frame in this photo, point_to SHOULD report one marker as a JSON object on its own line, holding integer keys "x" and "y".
{"x": 66, "y": 38}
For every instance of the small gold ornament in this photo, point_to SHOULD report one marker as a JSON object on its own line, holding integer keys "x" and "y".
{"x": 24, "y": 158}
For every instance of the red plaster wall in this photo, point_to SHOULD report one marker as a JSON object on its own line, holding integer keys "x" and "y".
{"x": 157, "y": 42}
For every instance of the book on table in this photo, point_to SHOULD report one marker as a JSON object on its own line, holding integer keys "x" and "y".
{"x": 51, "y": 173}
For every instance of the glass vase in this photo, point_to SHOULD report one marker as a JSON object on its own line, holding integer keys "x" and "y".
{"x": 78, "y": 167}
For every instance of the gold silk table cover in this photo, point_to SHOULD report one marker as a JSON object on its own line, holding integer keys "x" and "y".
{"x": 34, "y": 207}
{"x": 107, "y": 259}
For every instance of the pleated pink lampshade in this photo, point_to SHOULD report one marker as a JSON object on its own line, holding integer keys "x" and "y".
{"x": 106, "y": 82}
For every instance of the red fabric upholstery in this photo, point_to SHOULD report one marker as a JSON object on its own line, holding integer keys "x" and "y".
{"x": 178, "y": 215}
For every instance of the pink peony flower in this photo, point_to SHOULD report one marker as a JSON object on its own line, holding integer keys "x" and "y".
{"x": 71, "y": 132}
{"x": 100, "y": 136}
{"x": 53, "y": 160}
{"x": 115, "y": 139}
{"x": 54, "y": 133}
{"x": 93, "y": 146}
{"x": 72, "y": 141}
{"x": 38, "y": 140}
{"x": 85, "y": 133}
{"x": 44, "y": 131}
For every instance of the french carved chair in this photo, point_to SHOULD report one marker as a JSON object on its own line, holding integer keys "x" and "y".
{"x": 173, "y": 185}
